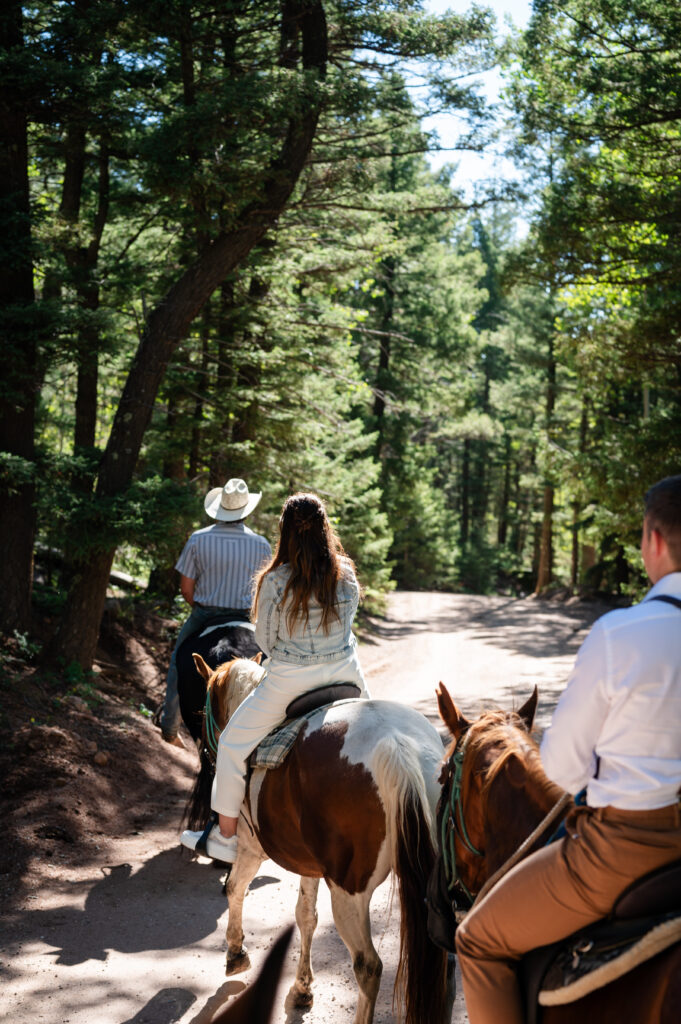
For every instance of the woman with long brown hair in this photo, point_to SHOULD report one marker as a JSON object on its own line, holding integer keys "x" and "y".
{"x": 305, "y": 603}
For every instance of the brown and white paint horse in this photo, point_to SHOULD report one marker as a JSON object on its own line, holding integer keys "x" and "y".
{"x": 505, "y": 795}
{"x": 354, "y": 800}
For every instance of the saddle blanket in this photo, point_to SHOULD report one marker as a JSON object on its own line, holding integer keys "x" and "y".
{"x": 224, "y": 625}
{"x": 272, "y": 751}
{"x": 587, "y": 963}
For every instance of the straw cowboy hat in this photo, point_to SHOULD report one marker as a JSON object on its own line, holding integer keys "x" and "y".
{"x": 231, "y": 502}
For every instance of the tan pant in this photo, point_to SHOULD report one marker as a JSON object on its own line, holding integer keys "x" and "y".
{"x": 553, "y": 893}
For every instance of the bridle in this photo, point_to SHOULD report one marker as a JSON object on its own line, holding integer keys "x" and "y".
{"x": 453, "y": 826}
{"x": 452, "y": 821}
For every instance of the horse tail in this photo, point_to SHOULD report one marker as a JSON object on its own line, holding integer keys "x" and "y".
{"x": 421, "y": 981}
{"x": 198, "y": 808}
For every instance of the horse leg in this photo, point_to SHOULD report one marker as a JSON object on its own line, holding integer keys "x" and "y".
{"x": 249, "y": 858}
{"x": 306, "y": 919}
{"x": 351, "y": 916}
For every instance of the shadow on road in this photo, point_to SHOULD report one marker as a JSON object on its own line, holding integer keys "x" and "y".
{"x": 166, "y": 1007}
{"x": 522, "y": 625}
{"x": 175, "y": 903}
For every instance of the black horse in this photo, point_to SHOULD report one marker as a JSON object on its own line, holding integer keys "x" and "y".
{"x": 221, "y": 639}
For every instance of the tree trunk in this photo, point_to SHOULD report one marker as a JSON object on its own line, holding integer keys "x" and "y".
{"x": 170, "y": 321}
{"x": 382, "y": 385}
{"x": 576, "y": 505}
{"x": 502, "y": 523}
{"x": 218, "y": 463}
{"x": 201, "y": 391}
{"x": 20, "y": 369}
{"x": 545, "y": 566}
{"x": 248, "y": 378}
{"x": 88, "y": 298}
{"x": 465, "y": 492}
{"x": 79, "y": 630}
{"x": 545, "y": 544}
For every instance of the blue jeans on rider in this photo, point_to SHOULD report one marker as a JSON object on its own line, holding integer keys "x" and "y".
{"x": 170, "y": 716}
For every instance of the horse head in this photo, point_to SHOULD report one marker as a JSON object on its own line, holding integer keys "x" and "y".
{"x": 496, "y": 787}
{"x": 226, "y": 687}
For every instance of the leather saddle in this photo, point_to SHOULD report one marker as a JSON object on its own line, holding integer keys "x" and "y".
{"x": 651, "y": 903}
{"x": 272, "y": 751}
{"x": 320, "y": 696}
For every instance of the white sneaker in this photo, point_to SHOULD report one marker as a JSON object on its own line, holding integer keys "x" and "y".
{"x": 217, "y": 846}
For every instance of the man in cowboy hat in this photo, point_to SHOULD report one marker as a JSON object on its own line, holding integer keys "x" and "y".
{"x": 216, "y": 567}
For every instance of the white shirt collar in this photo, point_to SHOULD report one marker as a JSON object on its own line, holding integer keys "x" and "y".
{"x": 669, "y": 584}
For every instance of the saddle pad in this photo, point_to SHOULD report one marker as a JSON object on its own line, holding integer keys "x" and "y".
{"x": 583, "y": 966}
{"x": 224, "y": 625}
{"x": 272, "y": 751}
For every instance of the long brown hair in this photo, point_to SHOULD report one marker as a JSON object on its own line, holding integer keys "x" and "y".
{"x": 309, "y": 545}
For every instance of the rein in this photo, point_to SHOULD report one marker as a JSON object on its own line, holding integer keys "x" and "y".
{"x": 453, "y": 808}
{"x": 448, "y": 827}
{"x": 526, "y": 844}
{"x": 211, "y": 726}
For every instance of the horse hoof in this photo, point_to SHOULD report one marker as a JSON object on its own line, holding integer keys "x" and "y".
{"x": 237, "y": 962}
{"x": 302, "y": 1000}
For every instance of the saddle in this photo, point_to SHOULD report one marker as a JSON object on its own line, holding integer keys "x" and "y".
{"x": 320, "y": 696}
{"x": 272, "y": 751}
{"x": 645, "y": 920}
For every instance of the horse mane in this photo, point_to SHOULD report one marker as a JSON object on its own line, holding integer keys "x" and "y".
{"x": 240, "y": 676}
{"x": 506, "y": 733}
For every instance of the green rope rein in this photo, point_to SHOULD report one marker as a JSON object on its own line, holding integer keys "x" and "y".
{"x": 211, "y": 726}
{"x": 448, "y": 825}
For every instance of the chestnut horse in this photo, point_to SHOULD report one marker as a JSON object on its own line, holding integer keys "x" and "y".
{"x": 354, "y": 799}
{"x": 504, "y": 796}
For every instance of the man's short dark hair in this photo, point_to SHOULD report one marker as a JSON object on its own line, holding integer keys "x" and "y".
{"x": 663, "y": 513}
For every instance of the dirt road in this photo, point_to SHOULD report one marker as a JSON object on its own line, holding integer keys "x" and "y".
{"x": 138, "y": 937}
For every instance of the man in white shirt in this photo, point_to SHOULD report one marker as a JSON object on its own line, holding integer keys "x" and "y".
{"x": 617, "y": 732}
{"x": 217, "y": 567}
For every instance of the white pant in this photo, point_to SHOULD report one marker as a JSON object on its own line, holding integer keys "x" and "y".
{"x": 264, "y": 709}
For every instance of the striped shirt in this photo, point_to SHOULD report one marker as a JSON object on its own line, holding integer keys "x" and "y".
{"x": 223, "y": 559}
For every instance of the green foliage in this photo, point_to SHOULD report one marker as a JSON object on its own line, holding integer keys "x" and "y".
{"x": 432, "y": 378}
{"x": 80, "y": 682}
{"x": 271, "y": 383}
{"x": 15, "y": 471}
{"x": 153, "y": 514}
{"x": 27, "y": 648}
{"x": 595, "y": 86}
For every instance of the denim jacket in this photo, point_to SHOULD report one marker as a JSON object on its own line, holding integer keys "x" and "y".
{"x": 307, "y": 643}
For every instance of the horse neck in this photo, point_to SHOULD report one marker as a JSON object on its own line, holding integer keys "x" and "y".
{"x": 241, "y": 680}
{"x": 515, "y": 808}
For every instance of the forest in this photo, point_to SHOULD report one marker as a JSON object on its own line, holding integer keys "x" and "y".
{"x": 224, "y": 253}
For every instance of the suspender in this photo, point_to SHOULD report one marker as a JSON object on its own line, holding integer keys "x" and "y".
{"x": 668, "y": 599}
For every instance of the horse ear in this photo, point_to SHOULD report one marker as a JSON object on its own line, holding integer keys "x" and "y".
{"x": 529, "y": 709}
{"x": 201, "y": 666}
{"x": 449, "y": 713}
{"x": 257, "y": 658}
